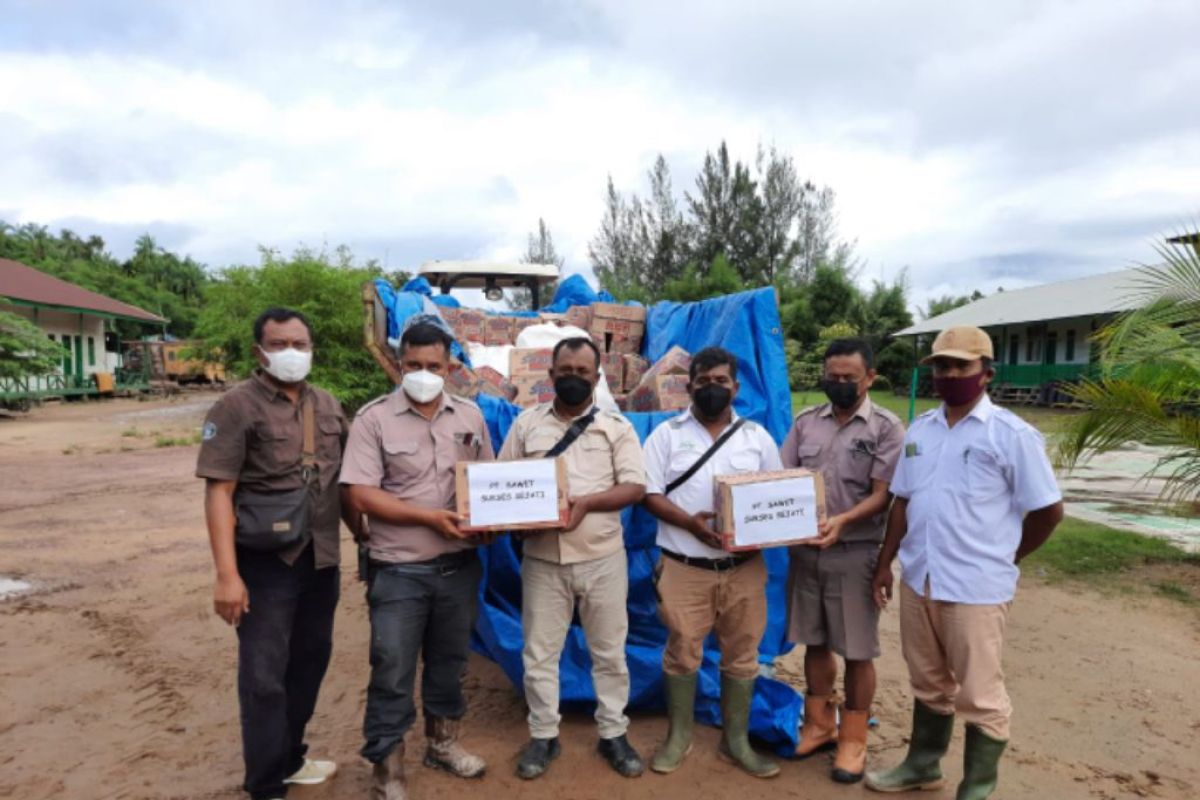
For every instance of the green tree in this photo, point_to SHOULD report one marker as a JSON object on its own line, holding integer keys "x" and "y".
{"x": 326, "y": 288}
{"x": 940, "y": 305}
{"x": 539, "y": 249}
{"x": 24, "y": 349}
{"x": 718, "y": 280}
{"x": 1149, "y": 385}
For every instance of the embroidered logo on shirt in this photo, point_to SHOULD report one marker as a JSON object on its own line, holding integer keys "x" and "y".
{"x": 864, "y": 447}
{"x": 209, "y": 431}
{"x": 911, "y": 450}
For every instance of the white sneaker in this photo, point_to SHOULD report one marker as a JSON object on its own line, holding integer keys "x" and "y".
{"x": 312, "y": 773}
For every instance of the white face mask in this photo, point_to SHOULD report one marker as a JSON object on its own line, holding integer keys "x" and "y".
{"x": 289, "y": 366}
{"x": 422, "y": 386}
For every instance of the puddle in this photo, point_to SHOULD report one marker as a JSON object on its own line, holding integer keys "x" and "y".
{"x": 11, "y": 587}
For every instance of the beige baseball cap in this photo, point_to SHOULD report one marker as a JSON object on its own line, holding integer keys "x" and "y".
{"x": 965, "y": 342}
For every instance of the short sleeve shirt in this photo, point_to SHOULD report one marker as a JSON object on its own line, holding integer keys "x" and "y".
{"x": 254, "y": 435}
{"x": 849, "y": 457}
{"x": 671, "y": 450}
{"x": 968, "y": 490}
{"x": 393, "y": 447}
{"x": 606, "y": 454}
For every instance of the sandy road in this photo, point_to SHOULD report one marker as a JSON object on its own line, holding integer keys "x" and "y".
{"x": 116, "y": 681}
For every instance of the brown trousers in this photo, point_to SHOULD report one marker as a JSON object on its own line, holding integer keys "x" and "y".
{"x": 693, "y": 601}
{"x": 953, "y": 653}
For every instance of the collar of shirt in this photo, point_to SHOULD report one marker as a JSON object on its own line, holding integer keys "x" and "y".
{"x": 264, "y": 382}
{"x": 863, "y": 412}
{"x": 685, "y": 416}
{"x": 400, "y": 404}
{"x": 982, "y": 412}
{"x": 551, "y": 411}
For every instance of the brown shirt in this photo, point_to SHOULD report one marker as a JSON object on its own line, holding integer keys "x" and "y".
{"x": 606, "y": 454}
{"x": 255, "y": 435}
{"x": 849, "y": 457}
{"x": 394, "y": 448}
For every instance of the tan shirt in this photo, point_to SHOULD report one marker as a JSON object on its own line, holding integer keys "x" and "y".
{"x": 394, "y": 448}
{"x": 255, "y": 435}
{"x": 849, "y": 457}
{"x": 608, "y": 453}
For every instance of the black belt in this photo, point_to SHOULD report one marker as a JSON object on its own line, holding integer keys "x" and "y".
{"x": 445, "y": 564}
{"x": 715, "y": 564}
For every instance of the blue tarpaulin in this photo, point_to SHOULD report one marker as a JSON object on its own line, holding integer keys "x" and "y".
{"x": 748, "y": 325}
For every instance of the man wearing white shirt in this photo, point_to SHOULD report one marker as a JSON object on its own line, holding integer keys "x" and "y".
{"x": 701, "y": 586}
{"x": 975, "y": 494}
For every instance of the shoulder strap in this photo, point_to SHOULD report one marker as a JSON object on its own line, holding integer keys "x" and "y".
{"x": 308, "y": 458}
{"x": 577, "y": 427}
{"x": 709, "y": 453}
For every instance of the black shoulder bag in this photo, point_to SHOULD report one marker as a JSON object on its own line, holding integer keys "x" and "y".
{"x": 276, "y": 520}
{"x": 709, "y": 453}
{"x": 577, "y": 428}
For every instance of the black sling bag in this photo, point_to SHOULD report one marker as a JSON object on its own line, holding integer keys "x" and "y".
{"x": 709, "y": 453}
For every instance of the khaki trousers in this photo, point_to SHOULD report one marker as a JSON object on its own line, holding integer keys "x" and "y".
{"x": 953, "y": 654}
{"x": 550, "y": 593}
{"x": 693, "y": 601}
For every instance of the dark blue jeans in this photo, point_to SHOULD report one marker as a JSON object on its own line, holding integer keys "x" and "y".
{"x": 283, "y": 650}
{"x": 416, "y": 610}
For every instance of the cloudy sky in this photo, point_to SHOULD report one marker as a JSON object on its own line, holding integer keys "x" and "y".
{"x": 977, "y": 144}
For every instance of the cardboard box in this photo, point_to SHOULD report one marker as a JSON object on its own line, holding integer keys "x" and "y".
{"x": 579, "y": 316}
{"x": 529, "y": 361}
{"x": 635, "y": 368}
{"x": 468, "y": 326}
{"x": 618, "y": 311}
{"x": 768, "y": 509}
{"x": 675, "y": 361}
{"x": 462, "y": 381}
{"x": 548, "y": 318}
{"x": 614, "y": 370}
{"x": 623, "y": 345}
{"x": 532, "y": 389}
{"x": 521, "y": 323}
{"x": 505, "y": 484}
{"x": 662, "y": 393}
{"x": 498, "y": 330}
{"x": 622, "y": 401}
{"x": 493, "y": 383}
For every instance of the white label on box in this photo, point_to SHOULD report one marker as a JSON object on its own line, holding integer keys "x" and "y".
{"x": 512, "y": 492}
{"x": 774, "y": 511}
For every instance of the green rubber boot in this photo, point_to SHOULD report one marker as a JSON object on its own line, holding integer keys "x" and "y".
{"x": 981, "y": 765}
{"x": 735, "y": 720}
{"x": 921, "y": 768}
{"x": 681, "y": 705}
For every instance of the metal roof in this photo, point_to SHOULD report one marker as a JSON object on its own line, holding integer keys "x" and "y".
{"x": 28, "y": 286}
{"x": 474, "y": 274}
{"x": 1109, "y": 293}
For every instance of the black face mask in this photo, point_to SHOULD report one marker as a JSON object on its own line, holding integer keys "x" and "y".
{"x": 572, "y": 389}
{"x": 711, "y": 399}
{"x": 842, "y": 395}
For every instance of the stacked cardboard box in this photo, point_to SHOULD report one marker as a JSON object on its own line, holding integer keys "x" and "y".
{"x": 495, "y": 384}
{"x": 579, "y": 317}
{"x": 521, "y": 323}
{"x": 498, "y": 330}
{"x": 616, "y": 328}
{"x": 462, "y": 381}
{"x": 614, "y": 371}
{"x": 525, "y": 361}
{"x": 466, "y": 323}
{"x": 634, "y": 369}
{"x": 663, "y": 387}
{"x": 532, "y": 389}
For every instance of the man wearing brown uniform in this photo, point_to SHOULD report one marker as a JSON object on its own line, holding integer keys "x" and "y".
{"x": 855, "y": 445}
{"x": 270, "y": 436}
{"x": 423, "y": 570}
{"x": 582, "y": 566}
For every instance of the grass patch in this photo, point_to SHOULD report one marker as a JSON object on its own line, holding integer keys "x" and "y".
{"x": 177, "y": 441}
{"x": 896, "y": 404}
{"x": 131, "y": 433}
{"x": 1079, "y": 549}
{"x": 1173, "y": 591}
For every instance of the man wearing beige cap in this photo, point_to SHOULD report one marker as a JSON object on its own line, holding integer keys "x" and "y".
{"x": 975, "y": 494}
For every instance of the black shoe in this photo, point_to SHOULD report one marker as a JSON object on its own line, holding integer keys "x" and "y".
{"x": 536, "y": 757}
{"x": 621, "y": 756}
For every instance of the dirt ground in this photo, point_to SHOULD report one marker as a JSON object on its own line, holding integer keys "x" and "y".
{"x": 117, "y": 681}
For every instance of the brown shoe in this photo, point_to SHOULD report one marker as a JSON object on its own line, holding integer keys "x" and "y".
{"x": 819, "y": 731}
{"x": 444, "y": 751}
{"x": 387, "y": 777}
{"x": 851, "y": 759}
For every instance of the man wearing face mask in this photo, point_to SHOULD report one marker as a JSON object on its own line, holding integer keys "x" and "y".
{"x": 700, "y": 585}
{"x": 582, "y": 566}
{"x": 270, "y": 437}
{"x": 423, "y": 572}
{"x": 975, "y": 494}
{"x": 854, "y": 444}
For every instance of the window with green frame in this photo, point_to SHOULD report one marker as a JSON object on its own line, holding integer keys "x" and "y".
{"x": 91, "y": 351}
